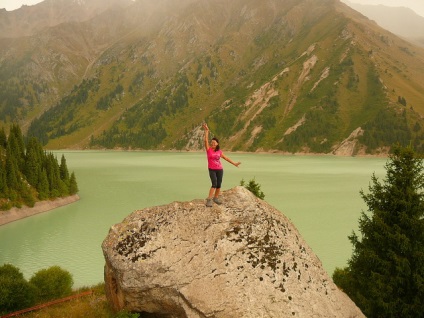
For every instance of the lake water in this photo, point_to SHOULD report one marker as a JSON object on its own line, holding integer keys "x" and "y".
{"x": 320, "y": 194}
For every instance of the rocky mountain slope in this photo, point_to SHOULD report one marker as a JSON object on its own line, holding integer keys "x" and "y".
{"x": 293, "y": 76}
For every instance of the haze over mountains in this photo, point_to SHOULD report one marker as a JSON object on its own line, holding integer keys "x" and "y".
{"x": 398, "y": 20}
{"x": 274, "y": 75}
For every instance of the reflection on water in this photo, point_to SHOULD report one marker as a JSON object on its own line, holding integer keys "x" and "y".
{"x": 320, "y": 194}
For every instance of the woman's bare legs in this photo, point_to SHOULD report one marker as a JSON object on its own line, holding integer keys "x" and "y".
{"x": 214, "y": 192}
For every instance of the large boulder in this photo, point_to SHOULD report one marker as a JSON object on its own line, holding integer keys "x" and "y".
{"x": 243, "y": 258}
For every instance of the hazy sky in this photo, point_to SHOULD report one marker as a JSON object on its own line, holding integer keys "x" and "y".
{"x": 16, "y": 4}
{"x": 416, "y": 5}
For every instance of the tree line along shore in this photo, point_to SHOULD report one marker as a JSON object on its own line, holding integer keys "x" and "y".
{"x": 30, "y": 175}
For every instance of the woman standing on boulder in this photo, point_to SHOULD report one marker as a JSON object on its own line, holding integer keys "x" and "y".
{"x": 216, "y": 171}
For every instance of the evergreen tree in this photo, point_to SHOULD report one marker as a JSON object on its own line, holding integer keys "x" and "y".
{"x": 32, "y": 165}
{"x": 26, "y": 194}
{"x": 17, "y": 145}
{"x": 3, "y": 138}
{"x": 3, "y": 183}
{"x": 43, "y": 186}
{"x": 53, "y": 175}
{"x": 385, "y": 275}
{"x": 64, "y": 173}
{"x": 28, "y": 173}
{"x": 12, "y": 171}
{"x": 73, "y": 186}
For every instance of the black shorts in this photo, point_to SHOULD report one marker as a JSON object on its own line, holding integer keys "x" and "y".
{"x": 216, "y": 177}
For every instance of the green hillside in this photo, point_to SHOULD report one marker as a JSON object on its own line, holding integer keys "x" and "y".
{"x": 291, "y": 76}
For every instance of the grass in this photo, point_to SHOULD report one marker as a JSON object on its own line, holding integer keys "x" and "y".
{"x": 93, "y": 306}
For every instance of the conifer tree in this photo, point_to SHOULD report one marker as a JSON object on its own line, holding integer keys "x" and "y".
{"x": 53, "y": 175}
{"x": 43, "y": 186}
{"x": 28, "y": 173}
{"x": 3, "y": 139}
{"x": 12, "y": 172}
{"x": 3, "y": 182}
{"x": 73, "y": 186}
{"x": 32, "y": 166}
{"x": 385, "y": 275}
{"x": 17, "y": 145}
{"x": 64, "y": 173}
{"x": 26, "y": 193}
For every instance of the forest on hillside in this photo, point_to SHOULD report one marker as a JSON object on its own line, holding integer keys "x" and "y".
{"x": 28, "y": 173}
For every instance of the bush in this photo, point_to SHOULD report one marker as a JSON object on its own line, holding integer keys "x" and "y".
{"x": 126, "y": 314}
{"x": 10, "y": 271}
{"x": 52, "y": 283}
{"x": 15, "y": 292}
{"x": 253, "y": 187}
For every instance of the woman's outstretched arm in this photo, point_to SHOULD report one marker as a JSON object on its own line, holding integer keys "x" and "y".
{"x": 230, "y": 161}
{"x": 206, "y": 128}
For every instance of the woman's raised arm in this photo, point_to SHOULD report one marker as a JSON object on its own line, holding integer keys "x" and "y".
{"x": 206, "y": 141}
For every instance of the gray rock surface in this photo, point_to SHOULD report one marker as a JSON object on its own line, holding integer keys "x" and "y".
{"x": 243, "y": 258}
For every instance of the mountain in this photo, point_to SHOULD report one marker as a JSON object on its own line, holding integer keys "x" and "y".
{"x": 276, "y": 75}
{"x": 29, "y": 20}
{"x": 398, "y": 20}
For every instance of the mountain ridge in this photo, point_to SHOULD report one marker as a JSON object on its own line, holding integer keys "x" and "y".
{"x": 29, "y": 20}
{"x": 292, "y": 76}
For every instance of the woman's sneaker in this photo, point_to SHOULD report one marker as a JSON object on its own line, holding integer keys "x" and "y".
{"x": 209, "y": 202}
{"x": 217, "y": 201}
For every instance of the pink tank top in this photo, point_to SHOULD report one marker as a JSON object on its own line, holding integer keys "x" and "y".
{"x": 213, "y": 159}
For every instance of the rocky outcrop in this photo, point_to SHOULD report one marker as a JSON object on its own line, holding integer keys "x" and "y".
{"x": 348, "y": 146}
{"x": 243, "y": 258}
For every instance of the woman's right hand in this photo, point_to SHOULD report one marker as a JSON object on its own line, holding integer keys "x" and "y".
{"x": 205, "y": 127}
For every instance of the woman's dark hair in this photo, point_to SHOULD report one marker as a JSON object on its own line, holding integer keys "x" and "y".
{"x": 217, "y": 147}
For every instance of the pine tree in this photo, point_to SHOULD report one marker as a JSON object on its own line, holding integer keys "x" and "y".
{"x": 43, "y": 186}
{"x": 28, "y": 173}
{"x": 3, "y": 181}
{"x": 3, "y": 139}
{"x": 12, "y": 172}
{"x": 32, "y": 166}
{"x": 385, "y": 275}
{"x": 73, "y": 186}
{"x": 17, "y": 145}
{"x": 52, "y": 175}
{"x": 64, "y": 173}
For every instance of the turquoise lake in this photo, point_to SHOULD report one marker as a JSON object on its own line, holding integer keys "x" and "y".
{"x": 320, "y": 194}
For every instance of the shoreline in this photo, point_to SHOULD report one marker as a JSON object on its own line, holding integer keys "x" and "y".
{"x": 15, "y": 214}
{"x": 261, "y": 152}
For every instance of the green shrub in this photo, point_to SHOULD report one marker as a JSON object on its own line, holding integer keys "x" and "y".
{"x": 126, "y": 314}
{"x": 52, "y": 283}
{"x": 10, "y": 271}
{"x": 15, "y": 292}
{"x": 253, "y": 187}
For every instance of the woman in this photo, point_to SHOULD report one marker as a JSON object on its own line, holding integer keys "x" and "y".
{"x": 216, "y": 171}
